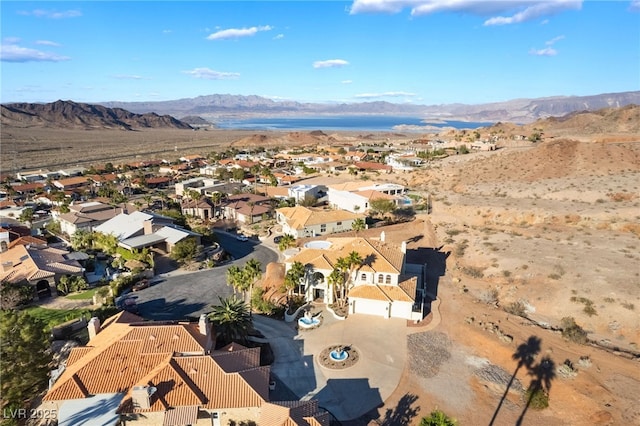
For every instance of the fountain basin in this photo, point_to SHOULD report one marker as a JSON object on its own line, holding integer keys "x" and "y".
{"x": 306, "y": 322}
{"x": 338, "y": 355}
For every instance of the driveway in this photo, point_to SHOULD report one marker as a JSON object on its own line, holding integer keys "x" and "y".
{"x": 187, "y": 295}
{"x": 347, "y": 393}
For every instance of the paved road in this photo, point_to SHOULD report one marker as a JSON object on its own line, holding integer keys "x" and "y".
{"x": 188, "y": 295}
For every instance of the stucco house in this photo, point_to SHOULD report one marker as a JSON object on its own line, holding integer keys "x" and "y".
{"x": 356, "y": 196}
{"x": 139, "y": 230}
{"x": 380, "y": 286}
{"x": 85, "y": 216}
{"x": 39, "y": 265}
{"x": 167, "y": 373}
{"x": 246, "y": 208}
{"x": 302, "y": 222}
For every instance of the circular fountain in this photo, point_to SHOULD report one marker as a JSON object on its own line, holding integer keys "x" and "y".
{"x": 338, "y": 357}
{"x": 339, "y": 354}
{"x": 308, "y": 321}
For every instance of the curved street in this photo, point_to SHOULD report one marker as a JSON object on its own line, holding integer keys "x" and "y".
{"x": 186, "y": 295}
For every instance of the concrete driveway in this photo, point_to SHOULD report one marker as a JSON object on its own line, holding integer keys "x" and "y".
{"x": 181, "y": 295}
{"x": 347, "y": 393}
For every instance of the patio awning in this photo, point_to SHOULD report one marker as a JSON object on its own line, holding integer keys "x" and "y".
{"x": 181, "y": 416}
{"x": 95, "y": 410}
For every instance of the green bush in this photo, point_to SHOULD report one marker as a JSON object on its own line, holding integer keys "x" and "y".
{"x": 572, "y": 331}
{"x": 438, "y": 418}
{"x": 538, "y": 398}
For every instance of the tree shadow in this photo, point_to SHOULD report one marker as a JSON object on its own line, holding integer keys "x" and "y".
{"x": 541, "y": 376}
{"x": 524, "y": 355}
{"x": 403, "y": 413}
{"x": 161, "y": 310}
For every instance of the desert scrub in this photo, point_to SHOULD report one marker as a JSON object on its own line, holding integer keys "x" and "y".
{"x": 473, "y": 271}
{"x": 629, "y": 306}
{"x": 461, "y": 247}
{"x": 572, "y": 331}
{"x": 516, "y": 308}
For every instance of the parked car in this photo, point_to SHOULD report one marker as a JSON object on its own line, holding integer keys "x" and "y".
{"x": 141, "y": 285}
{"x": 242, "y": 238}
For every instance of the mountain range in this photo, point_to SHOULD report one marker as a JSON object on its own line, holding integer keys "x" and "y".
{"x": 519, "y": 111}
{"x": 69, "y": 114}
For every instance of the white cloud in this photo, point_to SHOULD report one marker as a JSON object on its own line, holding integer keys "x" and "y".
{"x": 167, "y": 31}
{"x": 209, "y": 74}
{"x": 634, "y": 6}
{"x": 11, "y": 52}
{"x": 547, "y": 51}
{"x": 330, "y": 63}
{"x": 237, "y": 32}
{"x": 279, "y": 37}
{"x": 51, "y": 14}
{"x": 536, "y": 10}
{"x": 554, "y": 40}
{"x": 384, "y": 95}
{"x": 510, "y": 12}
{"x": 47, "y": 43}
{"x": 346, "y": 81}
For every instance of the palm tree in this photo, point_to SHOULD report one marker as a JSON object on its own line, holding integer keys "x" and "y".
{"x": 235, "y": 278}
{"x": 293, "y": 277}
{"x": 216, "y": 198}
{"x": 358, "y": 225}
{"x": 252, "y": 272}
{"x": 231, "y": 320}
{"x": 352, "y": 262}
{"x": 286, "y": 241}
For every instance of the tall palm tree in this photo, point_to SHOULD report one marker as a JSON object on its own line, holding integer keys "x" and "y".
{"x": 358, "y": 225}
{"x": 235, "y": 278}
{"x": 231, "y": 320}
{"x": 353, "y": 262}
{"x": 252, "y": 272}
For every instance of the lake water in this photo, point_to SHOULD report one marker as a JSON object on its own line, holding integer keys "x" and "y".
{"x": 374, "y": 123}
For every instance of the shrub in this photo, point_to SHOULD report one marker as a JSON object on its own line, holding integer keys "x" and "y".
{"x": 537, "y": 397}
{"x": 438, "y": 418}
{"x": 473, "y": 271}
{"x": 516, "y": 308}
{"x": 572, "y": 331}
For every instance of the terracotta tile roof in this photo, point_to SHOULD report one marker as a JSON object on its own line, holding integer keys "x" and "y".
{"x": 372, "y": 194}
{"x": 369, "y": 291}
{"x": 409, "y": 286}
{"x": 235, "y": 361}
{"x": 372, "y": 166}
{"x": 299, "y": 217}
{"x": 293, "y": 413}
{"x": 179, "y": 416}
{"x": 128, "y": 353}
{"x": 28, "y": 240}
{"x": 37, "y": 262}
{"x": 377, "y": 256}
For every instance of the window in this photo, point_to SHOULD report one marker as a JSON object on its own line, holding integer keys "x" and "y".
{"x": 380, "y": 278}
{"x": 388, "y": 280}
{"x": 363, "y": 277}
{"x": 323, "y": 228}
{"x": 339, "y": 223}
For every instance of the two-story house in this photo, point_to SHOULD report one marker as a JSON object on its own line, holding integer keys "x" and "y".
{"x": 380, "y": 285}
{"x": 302, "y": 222}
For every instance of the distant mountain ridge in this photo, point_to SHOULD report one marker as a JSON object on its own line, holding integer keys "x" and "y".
{"x": 518, "y": 110}
{"x": 69, "y": 114}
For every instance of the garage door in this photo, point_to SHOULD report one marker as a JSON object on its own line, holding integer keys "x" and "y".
{"x": 370, "y": 307}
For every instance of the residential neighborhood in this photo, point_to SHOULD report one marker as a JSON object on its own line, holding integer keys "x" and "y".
{"x": 329, "y": 238}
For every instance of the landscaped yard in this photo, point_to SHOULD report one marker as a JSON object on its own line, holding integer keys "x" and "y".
{"x": 53, "y": 317}
{"x": 83, "y": 295}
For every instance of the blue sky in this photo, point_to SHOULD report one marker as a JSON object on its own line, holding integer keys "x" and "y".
{"x": 404, "y": 51}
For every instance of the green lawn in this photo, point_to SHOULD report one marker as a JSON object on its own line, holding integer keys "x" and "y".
{"x": 54, "y": 317}
{"x": 88, "y": 294}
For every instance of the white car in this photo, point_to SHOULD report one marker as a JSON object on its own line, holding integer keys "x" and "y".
{"x": 242, "y": 238}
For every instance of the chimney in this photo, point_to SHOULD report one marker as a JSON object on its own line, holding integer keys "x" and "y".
{"x": 203, "y": 325}
{"x": 148, "y": 227}
{"x": 141, "y": 396}
{"x": 382, "y": 236}
{"x": 93, "y": 327}
{"x": 7, "y": 266}
{"x": 403, "y": 247}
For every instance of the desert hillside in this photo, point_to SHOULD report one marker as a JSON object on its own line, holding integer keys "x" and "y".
{"x": 73, "y": 115}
